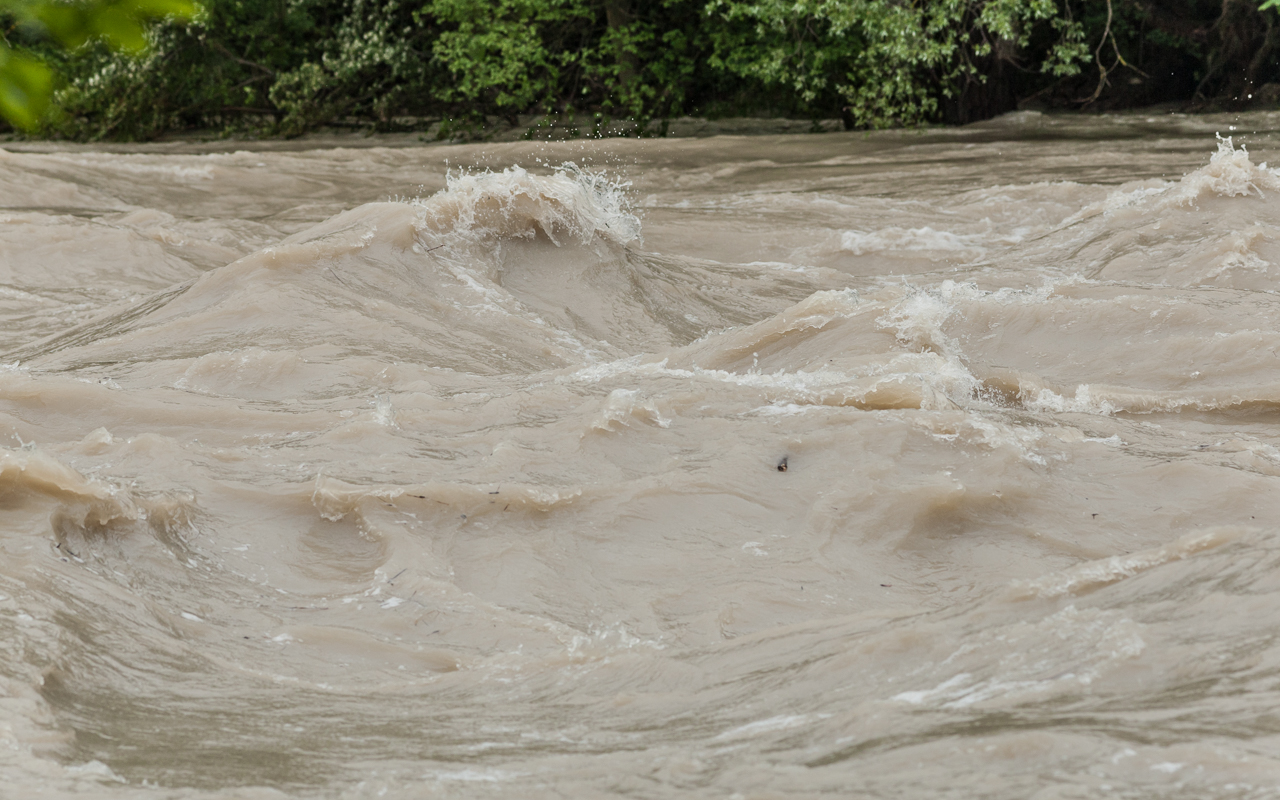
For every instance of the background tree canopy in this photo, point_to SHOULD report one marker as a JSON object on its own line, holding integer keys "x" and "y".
{"x": 26, "y": 82}
{"x": 90, "y": 69}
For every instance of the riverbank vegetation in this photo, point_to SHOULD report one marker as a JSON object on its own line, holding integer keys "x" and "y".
{"x": 283, "y": 67}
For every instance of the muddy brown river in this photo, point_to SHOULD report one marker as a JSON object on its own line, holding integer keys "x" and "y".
{"x": 936, "y": 464}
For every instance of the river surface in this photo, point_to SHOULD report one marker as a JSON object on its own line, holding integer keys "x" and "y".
{"x": 910, "y": 465}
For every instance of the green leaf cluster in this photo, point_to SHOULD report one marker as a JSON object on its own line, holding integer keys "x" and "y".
{"x": 283, "y": 67}
{"x": 26, "y": 81}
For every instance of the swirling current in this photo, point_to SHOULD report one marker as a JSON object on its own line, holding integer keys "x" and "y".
{"x": 938, "y": 464}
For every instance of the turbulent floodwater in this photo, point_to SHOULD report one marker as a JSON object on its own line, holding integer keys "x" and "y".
{"x": 907, "y": 465}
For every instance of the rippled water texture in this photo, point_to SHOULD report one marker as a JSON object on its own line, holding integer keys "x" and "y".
{"x": 937, "y": 465}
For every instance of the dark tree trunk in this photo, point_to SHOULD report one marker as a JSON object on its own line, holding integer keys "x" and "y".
{"x": 978, "y": 99}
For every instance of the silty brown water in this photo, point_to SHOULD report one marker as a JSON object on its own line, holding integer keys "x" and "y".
{"x": 312, "y": 491}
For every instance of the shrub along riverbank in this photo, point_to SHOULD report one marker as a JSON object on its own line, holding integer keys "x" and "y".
{"x": 283, "y": 67}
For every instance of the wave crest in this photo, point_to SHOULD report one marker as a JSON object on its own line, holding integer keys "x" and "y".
{"x": 570, "y": 203}
{"x": 1229, "y": 173}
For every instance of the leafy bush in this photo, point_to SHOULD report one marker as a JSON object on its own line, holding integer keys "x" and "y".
{"x": 511, "y": 55}
{"x": 26, "y": 81}
{"x": 374, "y": 62}
{"x": 890, "y": 63}
{"x": 287, "y": 66}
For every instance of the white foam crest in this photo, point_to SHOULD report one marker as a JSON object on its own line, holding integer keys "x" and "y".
{"x": 1083, "y": 402}
{"x": 383, "y": 413}
{"x": 1104, "y": 399}
{"x": 783, "y": 722}
{"x": 1095, "y": 574}
{"x": 919, "y": 380}
{"x": 601, "y": 642}
{"x": 924, "y": 239}
{"x": 1229, "y": 173}
{"x": 917, "y": 319}
{"x": 624, "y": 405}
{"x": 1022, "y": 440}
{"x": 569, "y": 203}
{"x": 1118, "y": 199}
{"x": 1239, "y": 256}
{"x": 470, "y": 775}
{"x": 1023, "y": 660}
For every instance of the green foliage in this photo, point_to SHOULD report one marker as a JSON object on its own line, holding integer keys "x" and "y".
{"x": 374, "y": 58}
{"x": 265, "y": 66}
{"x": 889, "y": 61}
{"x": 510, "y": 55}
{"x": 26, "y": 83}
{"x": 652, "y": 64}
{"x": 542, "y": 56}
{"x": 881, "y": 62}
{"x": 210, "y": 70}
{"x": 287, "y": 66}
{"x": 795, "y": 45}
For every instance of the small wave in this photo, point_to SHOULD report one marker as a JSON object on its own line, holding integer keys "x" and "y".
{"x": 570, "y": 203}
{"x": 1106, "y": 400}
{"x": 1096, "y": 574}
{"x": 1229, "y": 173}
{"x": 1212, "y": 227}
{"x": 33, "y": 471}
{"x": 942, "y": 244}
{"x": 624, "y": 405}
{"x": 335, "y": 498}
